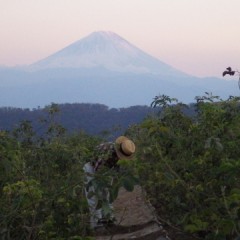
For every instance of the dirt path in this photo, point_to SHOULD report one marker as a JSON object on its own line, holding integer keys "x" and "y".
{"x": 131, "y": 208}
{"x": 135, "y": 218}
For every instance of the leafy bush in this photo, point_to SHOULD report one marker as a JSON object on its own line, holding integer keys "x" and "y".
{"x": 191, "y": 165}
{"x": 41, "y": 183}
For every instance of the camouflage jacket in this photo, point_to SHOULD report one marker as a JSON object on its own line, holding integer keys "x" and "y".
{"x": 105, "y": 154}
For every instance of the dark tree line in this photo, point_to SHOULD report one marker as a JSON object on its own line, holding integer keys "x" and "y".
{"x": 93, "y": 119}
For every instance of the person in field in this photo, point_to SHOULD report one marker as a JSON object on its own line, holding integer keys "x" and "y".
{"x": 106, "y": 156}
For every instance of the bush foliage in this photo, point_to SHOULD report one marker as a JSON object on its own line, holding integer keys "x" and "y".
{"x": 188, "y": 165}
{"x": 41, "y": 183}
{"x": 191, "y": 165}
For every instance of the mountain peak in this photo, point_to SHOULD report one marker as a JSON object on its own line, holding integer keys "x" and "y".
{"x": 102, "y": 40}
{"x": 108, "y": 50}
{"x": 105, "y": 34}
{"x": 108, "y": 36}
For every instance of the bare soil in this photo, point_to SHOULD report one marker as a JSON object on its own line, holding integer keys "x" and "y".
{"x": 137, "y": 219}
{"x": 131, "y": 208}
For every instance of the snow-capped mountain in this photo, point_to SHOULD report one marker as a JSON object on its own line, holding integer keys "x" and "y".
{"x": 107, "y": 50}
{"x": 103, "y": 68}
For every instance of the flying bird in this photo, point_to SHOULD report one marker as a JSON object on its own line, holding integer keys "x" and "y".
{"x": 228, "y": 71}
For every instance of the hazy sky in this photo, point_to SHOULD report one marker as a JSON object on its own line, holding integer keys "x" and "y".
{"x": 200, "y": 37}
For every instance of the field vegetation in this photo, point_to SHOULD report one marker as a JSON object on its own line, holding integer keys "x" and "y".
{"x": 188, "y": 165}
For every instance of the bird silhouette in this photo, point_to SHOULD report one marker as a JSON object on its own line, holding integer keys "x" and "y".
{"x": 228, "y": 71}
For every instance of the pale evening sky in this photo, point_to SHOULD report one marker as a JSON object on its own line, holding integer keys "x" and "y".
{"x": 199, "y": 37}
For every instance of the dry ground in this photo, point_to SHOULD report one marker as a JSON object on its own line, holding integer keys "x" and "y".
{"x": 137, "y": 219}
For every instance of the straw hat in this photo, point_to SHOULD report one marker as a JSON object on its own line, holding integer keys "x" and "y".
{"x": 125, "y": 148}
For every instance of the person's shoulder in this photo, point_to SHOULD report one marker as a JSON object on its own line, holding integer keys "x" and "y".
{"x": 105, "y": 146}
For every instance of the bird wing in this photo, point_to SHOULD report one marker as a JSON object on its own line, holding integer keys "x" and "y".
{"x": 225, "y": 72}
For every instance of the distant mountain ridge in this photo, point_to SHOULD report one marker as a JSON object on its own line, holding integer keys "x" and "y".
{"x": 102, "y": 68}
{"x": 91, "y": 118}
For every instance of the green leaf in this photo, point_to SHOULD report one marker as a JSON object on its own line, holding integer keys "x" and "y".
{"x": 191, "y": 228}
{"x": 107, "y": 210}
{"x": 113, "y": 193}
{"x": 123, "y": 162}
{"x": 128, "y": 184}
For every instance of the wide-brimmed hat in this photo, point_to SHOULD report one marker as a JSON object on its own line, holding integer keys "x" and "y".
{"x": 125, "y": 148}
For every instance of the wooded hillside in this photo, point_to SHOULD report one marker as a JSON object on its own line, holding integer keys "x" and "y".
{"x": 93, "y": 119}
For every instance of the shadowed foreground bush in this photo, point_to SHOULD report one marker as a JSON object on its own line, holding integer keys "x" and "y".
{"x": 191, "y": 166}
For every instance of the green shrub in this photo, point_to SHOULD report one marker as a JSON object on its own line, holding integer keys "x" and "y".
{"x": 191, "y": 165}
{"x": 41, "y": 183}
